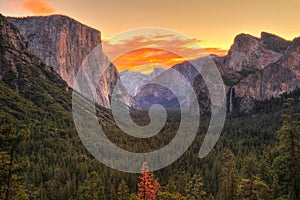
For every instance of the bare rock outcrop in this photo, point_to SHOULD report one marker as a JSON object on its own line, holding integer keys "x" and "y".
{"x": 63, "y": 43}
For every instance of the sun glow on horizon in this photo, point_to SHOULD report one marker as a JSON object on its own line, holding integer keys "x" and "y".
{"x": 213, "y": 24}
{"x": 154, "y": 53}
{"x": 37, "y": 7}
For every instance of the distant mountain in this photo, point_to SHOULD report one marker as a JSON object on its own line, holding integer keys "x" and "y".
{"x": 26, "y": 74}
{"x": 34, "y": 98}
{"x": 132, "y": 80}
{"x": 179, "y": 79}
{"x": 63, "y": 44}
{"x": 255, "y": 69}
{"x": 282, "y": 76}
{"x": 250, "y": 52}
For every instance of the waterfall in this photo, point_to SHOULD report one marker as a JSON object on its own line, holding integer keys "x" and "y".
{"x": 230, "y": 99}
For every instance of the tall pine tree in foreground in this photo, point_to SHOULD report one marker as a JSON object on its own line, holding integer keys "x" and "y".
{"x": 228, "y": 176}
{"x": 11, "y": 183}
{"x": 148, "y": 187}
{"x": 287, "y": 162}
{"x": 251, "y": 187}
{"x": 195, "y": 188}
{"x": 91, "y": 188}
{"x": 123, "y": 191}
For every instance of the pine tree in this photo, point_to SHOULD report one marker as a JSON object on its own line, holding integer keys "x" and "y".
{"x": 169, "y": 196}
{"x": 112, "y": 192}
{"x": 134, "y": 197}
{"x": 288, "y": 160}
{"x": 171, "y": 187}
{"x": 228, "y": 177}
{"x": 195, "y": 189}
{"x": 251, "y": 186}
{"x": 123, "y": 191}
{"x": 91, "y": 188}
{"x": 181, "y": 182}
{"x": 216, "y": 171}
{"x": 10, "y": 182}
{"x": 148, "y": 187}
{"x": 253, "y": 189}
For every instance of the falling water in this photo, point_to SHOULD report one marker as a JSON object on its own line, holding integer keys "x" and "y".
{"x": 230, "y": 99}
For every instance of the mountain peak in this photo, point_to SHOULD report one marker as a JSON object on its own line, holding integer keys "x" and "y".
{"x": 244, "y": 38}
{"x": 19, "y": 68}
{"x": 59, "y": 41}
{"x": 10, "y": 36}
{"x": 264, "y": 34}
{"x": 250, "y": 52}
{"x": 274, "y": 42}
{"x": 63, "y": 43}
{"x": 157, "y": 70}
{"x": 243, "y": 42}
{"x": 57, "y": 18}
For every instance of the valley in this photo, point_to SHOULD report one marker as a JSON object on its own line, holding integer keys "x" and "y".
{"x": 43, "y": 157}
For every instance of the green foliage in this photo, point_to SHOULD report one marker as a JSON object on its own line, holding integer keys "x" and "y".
{"x": 287, "y": 162}
{"x": 58, "y": 163}
{"x": 134, "y": 197}
{"x": 251, "y": 186}
{"x": 228, "y": 176}
{"x": 11, "y": 181}
{"x": 91, "y": 188}
{"x": 112, "y": 192}
{"x": 169, "y": 196}
{"x": 235, "y": 78}
{"x": 123, "y": 191}
{"x": 231, "y": 79}
{"x": 253, "y": 189}
{"x": 195, "y": 189}
{"x": 53, "y": 164}
{"x": 246, "y": 71}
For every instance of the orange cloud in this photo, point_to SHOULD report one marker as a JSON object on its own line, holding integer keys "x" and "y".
{"x": 147, "y": 57}
{"x": 38, "y": 7}
{"x": 157, "y": 51}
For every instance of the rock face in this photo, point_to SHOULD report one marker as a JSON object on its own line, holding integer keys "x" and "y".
{"x": 132, "y": 81}
{"x": 173, "y": 90}
{"x": 251, "y": 52}
{"x": 27, "y": 74}
{"x": 255, "y": 69}
{"x": 274, "y": 80}
{"x": 64, "y": 43}
{"x": 275, "y": 43}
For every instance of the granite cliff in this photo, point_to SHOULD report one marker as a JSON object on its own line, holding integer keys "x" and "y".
{"x": 133, "y": 81}
{"x": 250, "y": 52}
{"x": 63, "y": 43}
{"x": 275, "y": 79}
{"x": 25, "y": 74}
{"x": 255, "y": 69}
{"x": 176, "y": 80}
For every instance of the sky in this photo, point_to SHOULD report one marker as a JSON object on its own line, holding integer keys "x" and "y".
{"x": 211, "y": 23}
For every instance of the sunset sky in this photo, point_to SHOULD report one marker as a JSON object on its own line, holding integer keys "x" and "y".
{"x": 213, "y": 24}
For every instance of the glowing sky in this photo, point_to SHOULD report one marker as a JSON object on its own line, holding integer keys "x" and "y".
{"x": 214, "y": 24}
{"x": 150, "y": 48}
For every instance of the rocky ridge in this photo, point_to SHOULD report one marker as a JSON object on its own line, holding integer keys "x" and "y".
{"x": 63, "y": 43}
{"x": 132, "y": 80}
{"x": 255, "y": 69}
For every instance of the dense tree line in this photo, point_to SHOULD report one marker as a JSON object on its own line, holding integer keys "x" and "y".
{"x": 257, "y": 156}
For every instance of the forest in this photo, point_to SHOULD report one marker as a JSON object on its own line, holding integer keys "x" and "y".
{"x": 42, "y": 157}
